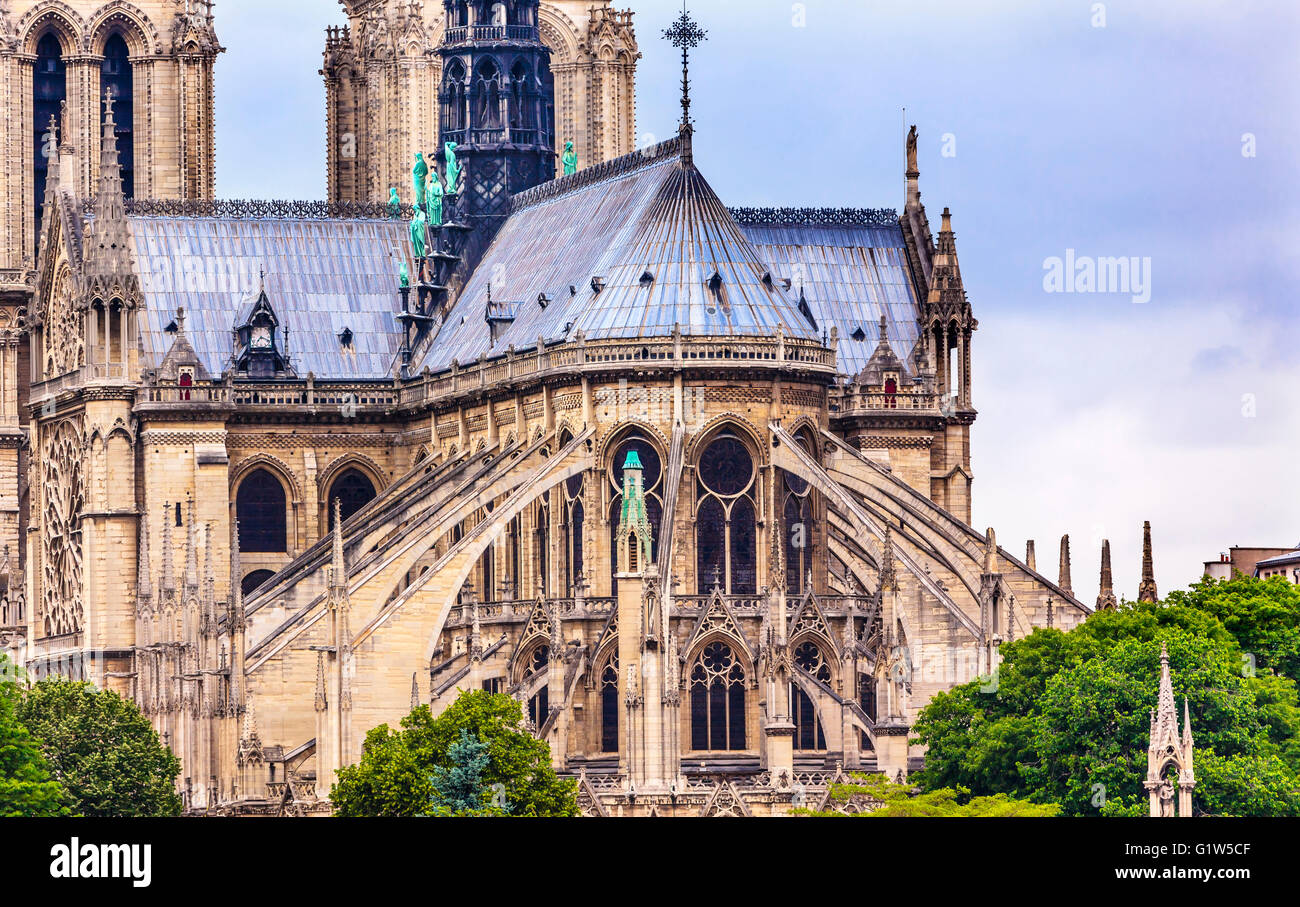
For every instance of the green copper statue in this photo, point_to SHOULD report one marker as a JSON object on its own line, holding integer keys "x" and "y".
{"x": 453, "y": 168}
{"x": 434, "y": 197}
{"x": 570, "y": 159}
{"x": 418, "y": 174}
{"x": 404, "y": 275}
{"x": 418, "y": 224}
{"x": 394, "y": 204}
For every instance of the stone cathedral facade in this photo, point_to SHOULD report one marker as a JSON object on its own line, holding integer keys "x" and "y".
{"x": 383, "y": 81}
{"x": 691, "y": 482}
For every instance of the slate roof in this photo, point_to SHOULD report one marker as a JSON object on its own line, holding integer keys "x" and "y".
{"x": 851, "y": 274}
{"x": 665, "y": 248}
{"x": 322, "y": 275}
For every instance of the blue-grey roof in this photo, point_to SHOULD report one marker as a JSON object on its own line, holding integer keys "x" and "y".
{"x": 322, "y": 275}
{"x": 653, "y": 231}
{"x": 851, "y": 274}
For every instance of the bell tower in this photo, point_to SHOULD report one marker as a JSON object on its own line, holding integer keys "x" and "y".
{"x": 497, "y": 102}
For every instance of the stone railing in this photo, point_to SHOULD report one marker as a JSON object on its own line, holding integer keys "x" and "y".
{"x": 175, "y": 393}
{"x": 517, "y": 611}
{"x": 853, "y": 398}
{"x": 350, "y": 397}
{"x": 748, "y": 353}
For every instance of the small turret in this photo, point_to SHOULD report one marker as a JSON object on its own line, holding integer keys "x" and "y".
{"x": 1064, "y": 582}
{"x": 1106, "y": 596}
{"x": 1147, "y": 588}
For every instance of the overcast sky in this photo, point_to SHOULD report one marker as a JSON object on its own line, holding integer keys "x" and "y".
{"x": 1162, "y": 130}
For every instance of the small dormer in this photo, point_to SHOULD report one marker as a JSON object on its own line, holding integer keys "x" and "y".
{"x": 258, "y": 353}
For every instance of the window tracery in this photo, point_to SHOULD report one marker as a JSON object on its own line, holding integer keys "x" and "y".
{"x": 726, "y": 531}
{"x": 717, "y": 700}
{"x": 65, "y": 496}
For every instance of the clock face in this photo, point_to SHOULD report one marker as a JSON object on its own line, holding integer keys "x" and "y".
{"x": 261, "y": 338}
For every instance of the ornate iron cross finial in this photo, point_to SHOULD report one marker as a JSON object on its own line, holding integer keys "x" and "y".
{"x": 686, "y": 34}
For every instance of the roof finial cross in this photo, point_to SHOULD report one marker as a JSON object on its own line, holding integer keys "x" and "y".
{"x": 686, "y": 34}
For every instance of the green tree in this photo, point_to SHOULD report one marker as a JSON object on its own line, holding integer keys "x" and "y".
{"x": 1262, "y": 615}
{"x": 458, "y": 789}
{"x": 904, "y": 800}
{"x": 1068, "y": 721}
{"x": 396, "y": 774}
{"x": 102, "y": 750}
{"x": 26, "y": 788}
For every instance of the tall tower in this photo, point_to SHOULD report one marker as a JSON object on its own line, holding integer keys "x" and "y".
{"x": 383, "y": 82}
{"x": 497, "y": 102}
{"x": 57, "y": 60}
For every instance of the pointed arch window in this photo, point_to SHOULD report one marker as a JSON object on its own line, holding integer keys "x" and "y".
{"x": 726, "y": 531}
{"x": 49, "y": 90}
{"x": 354, "y": 490}
{"x": 453, "y": 100}
{"x": 799, "y": 527}
{"x": 571, "y": 529}
{"x": 487, "y": 96}
{"x": 609, "y": 706}
{"x": 261, "y": 509}
{"x": 717, "y": 700}
{"x": 118, "y": 80}
{"x": 652, "y": 481}
{"x": 808, "y": 733}
{"x": 539, "y": 705}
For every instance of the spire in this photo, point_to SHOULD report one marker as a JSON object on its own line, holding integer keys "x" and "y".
{"x": 236, "y": 580}
{"x": 51, "y": 146}
{"x": 168, "y": 580}
{"x": 110, "y": 241}
{"x": 1166, "y": 709}
{"x": 991, "y": 552}
{"x": 888, "y": 578}
{"x": 1030, "y": 559}
{"x": 1106, "y": 597}
{"x": 686, "y": 34}
{"x": 191, "y": 551}
{"x": 321, "y": 702}
{"x": 912, "y": 175}
{"x": 249, "y": 735}
{"x": 1147, "y": 588}
{"x": 1064, "y": 581}
{"x": 338, "y": 569}
{"x": 143, "y": 586}
{"x": 415, "y": 691}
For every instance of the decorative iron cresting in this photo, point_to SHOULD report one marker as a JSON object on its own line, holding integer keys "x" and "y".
{"x": 817, "y": 217}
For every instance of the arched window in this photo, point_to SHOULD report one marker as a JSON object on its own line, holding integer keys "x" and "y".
{"x": 186, "y": 382}
{"x": 808, "y": 734}
{"x": 726, "y": 533}
{"x": 609, "y": 706}
{"x": 521, "y": 97}
{"x": 260, "y": 508}
{"x": 249, "y": 583}
{"x": 49, "y": 89}
{"x": 797, "y": 515}
{"x": 652, "y": 481}
{"x": 539, "y": 704}
{"x": 459, "y": 14}
{"x": 891, "y": 392}
{"x": 354, "y": 490}
{"x": 487, "y": 96}
{"x": 542, "y": 544}
{"x": 454, "y": 96}
{"x": 512, "y": 555}
{"x": 116, "y": 78}
{"x": 717, "y": 700}
{"x": 571, "y": 532}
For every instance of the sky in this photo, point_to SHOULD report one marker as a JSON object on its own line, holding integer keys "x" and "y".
{"x": 1160, "y": 131}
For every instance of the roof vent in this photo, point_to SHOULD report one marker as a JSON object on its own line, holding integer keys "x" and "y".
{"x": 715, "y": 283}
{"x": 767, "y": 278}
{"x": 345, "y": 336}
{"x": 859, "y": 334}
{"x": 573, "y": 291}
{"x": 543, "y": 300}
{"x": 647, "y": 278}
{"x": 597, "y": 284}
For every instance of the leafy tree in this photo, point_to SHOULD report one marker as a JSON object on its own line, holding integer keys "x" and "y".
{"x": 396, "y": 775}
{"x": 458, "y": 789}
{"x": 1262, "y": 615}
{"x": 1069, "y": 720}
{"x": 26, "y": 788}
{"x": 102, "y": 750}
{"x": 903, "y": 800}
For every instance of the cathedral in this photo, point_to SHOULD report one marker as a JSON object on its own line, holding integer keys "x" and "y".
{"x": 522, "y": 406}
